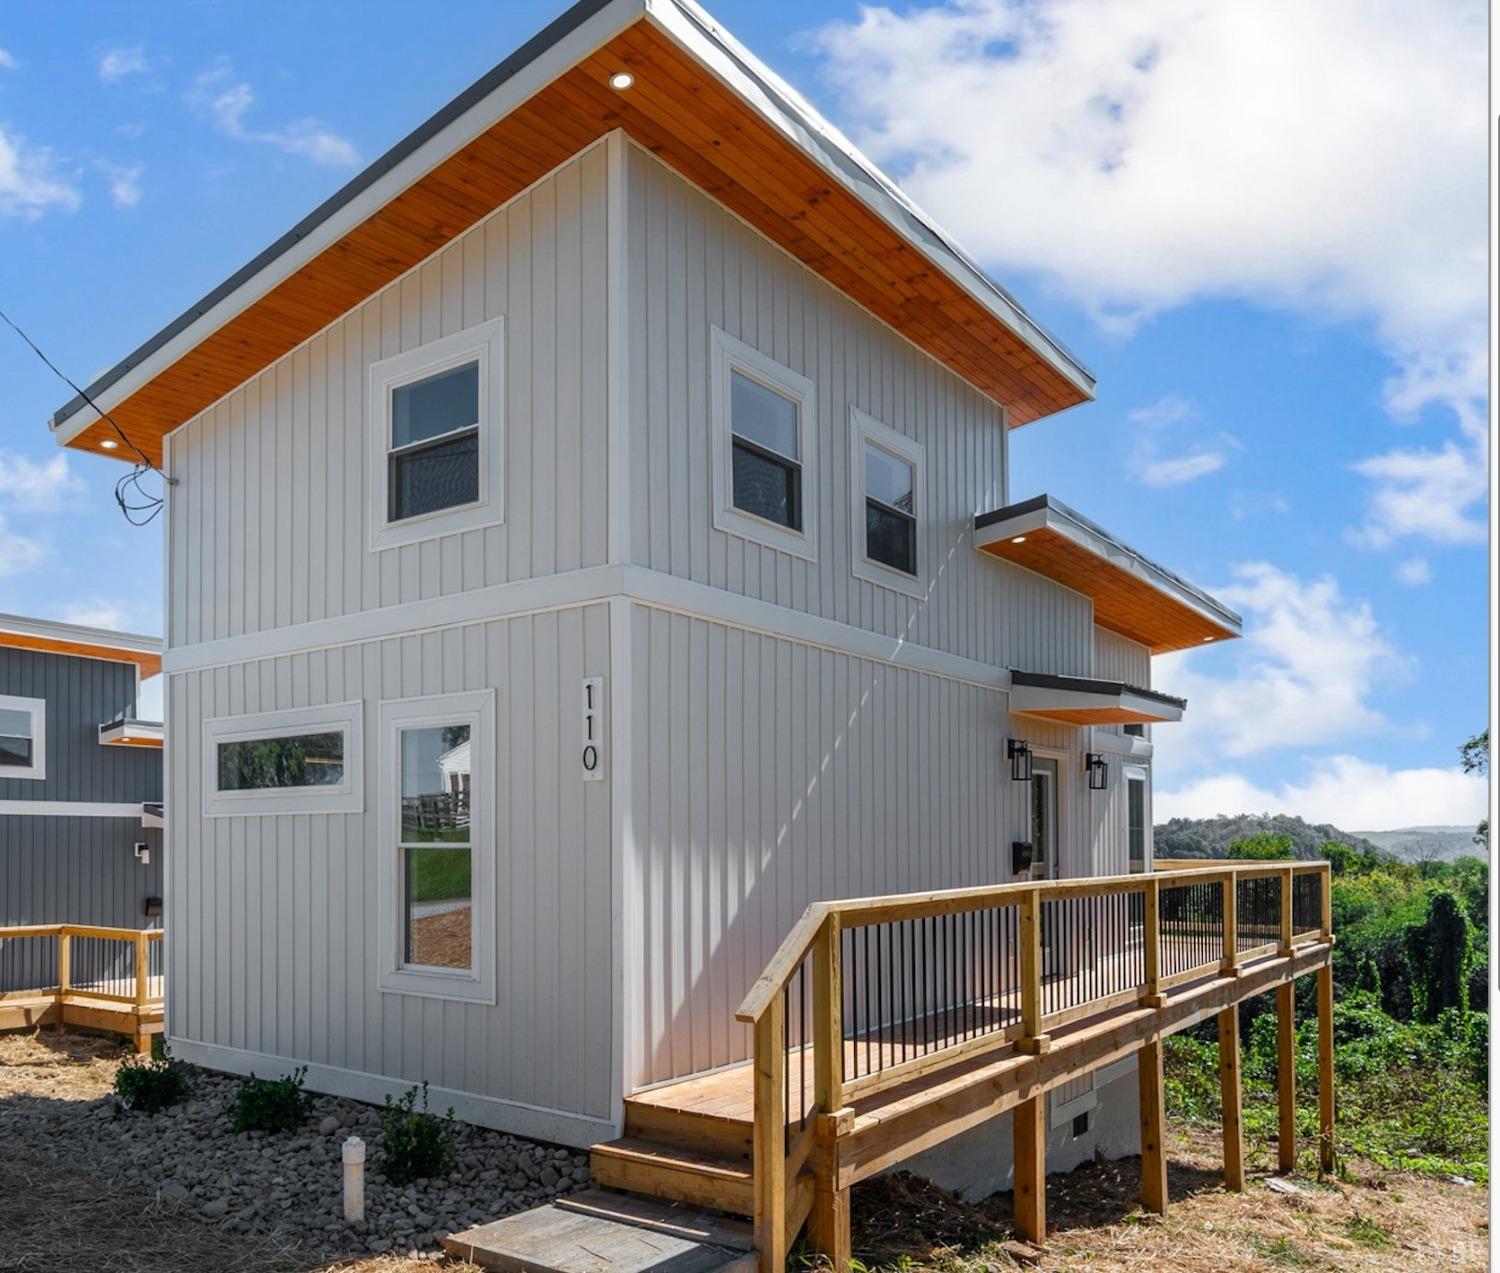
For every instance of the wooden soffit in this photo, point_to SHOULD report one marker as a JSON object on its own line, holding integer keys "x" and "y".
{"x": 84, "y": 643}
{"x": 1081, "y": 700}
{"x": 703, "y": 110}
{"x": 1131, "y": 594}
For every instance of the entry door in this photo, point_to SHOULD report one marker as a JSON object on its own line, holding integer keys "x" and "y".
{"x": 1044, "y": 841}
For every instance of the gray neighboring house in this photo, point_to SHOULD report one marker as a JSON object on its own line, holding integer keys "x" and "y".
{"x": 80, "y": 787}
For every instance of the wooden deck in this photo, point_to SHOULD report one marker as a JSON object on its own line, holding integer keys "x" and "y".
{"x": 836, "y": 1093}
{"x": 112, "y": 988}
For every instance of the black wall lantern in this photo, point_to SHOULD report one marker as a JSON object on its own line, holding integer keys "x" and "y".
{"x": 1019, "y": 755}
{"x": 1020, "y": 856}
{"x": 1098, "y": 770}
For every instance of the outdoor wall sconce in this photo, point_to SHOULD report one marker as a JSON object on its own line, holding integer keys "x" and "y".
{"x": 1019, "y": 755}
{"x": 1020, "y": 856}
{"x": 1098, "y": 770}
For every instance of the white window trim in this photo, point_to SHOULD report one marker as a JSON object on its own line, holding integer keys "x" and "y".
{"x": 863, "y": 428}
{"x": 37, "y": 708}
{"x": 484, "y": 343}
{"x": 347, "y": 797}
{"x": 477, "y": 710}
{"x": 729, "y": 354}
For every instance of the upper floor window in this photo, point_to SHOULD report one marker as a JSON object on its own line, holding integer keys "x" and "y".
{"x": 300, "y": 760}
{"x": 763, "y": 448}
{"x": 886, "y": 483}
{"x": 23, "y": 737}
{"x": 437, "y": 446}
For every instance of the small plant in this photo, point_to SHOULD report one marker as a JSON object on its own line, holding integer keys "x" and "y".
{"x": 271, "y": 1105}
{"x": 417, "y": 1143}
{"x": 149, "y": 1084}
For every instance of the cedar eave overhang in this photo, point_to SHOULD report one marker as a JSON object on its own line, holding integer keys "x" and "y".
{"x": 132, "y": 733}
{"x": 1083, "y": 700}
{"x": 17, "y": 633}
{"x": 703, "y": 105}
{"x": 1132, "y": 595}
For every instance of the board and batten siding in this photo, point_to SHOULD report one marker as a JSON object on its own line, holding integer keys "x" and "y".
{"x": 274, "y": 919}
{"x": 768, "y": 774}
{"x": 694, "y": 266}
{"x": 81, "y": 694}
{"x": 269, "y": 515}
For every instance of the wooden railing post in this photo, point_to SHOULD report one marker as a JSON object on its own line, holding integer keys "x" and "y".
{"x": 64, "y": 960}
{"x": 1288, "y": 886}
{"x": 1231, "y": 960}
{"x": 828, "y": 1017}
{"x": 770, "y": 1138}
{"x": 1032, "y": 1039}
{"x": 1153, "y": 998}
{"x": 1325, "y": 880}
{"x": 142, "y": 969}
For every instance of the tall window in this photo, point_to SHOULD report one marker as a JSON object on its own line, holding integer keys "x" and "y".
{"x": 437, "y": 446}
{"x": 437, "y": 832}
{"x": 1135, "y": 820}
{"x": 437, "y": 859}
{"x": 890, "y": 510}
{"x": 434, "y": 458}
{"x": 767, "y": 443}
{"x": 23, "y": 743}
{"x": 886, "y": 471}
{"x": 764, "y": 442}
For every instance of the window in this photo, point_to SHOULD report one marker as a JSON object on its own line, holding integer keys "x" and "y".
{"x": 23, "y": 737}
{"x": 763, "y": 448}
{"x": 437, "y": 836}
{"x": 886, "y": 471}
{"x": 437, "y": 442}
{"x": 302, "y": 760}
{"x": 1134, "y": 731}
{"x": 1135, "y": 818}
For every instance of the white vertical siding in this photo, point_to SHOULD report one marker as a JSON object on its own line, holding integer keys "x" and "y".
{"x": 269, "y": 514}
{"x": 1118, "y": 658}
{"x": 769, "y": 774}
{"x": 694, "y": 266}
{"x": 274, "y": 919}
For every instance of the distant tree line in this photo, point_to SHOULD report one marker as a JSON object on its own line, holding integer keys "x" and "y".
{"x": 1213, "y": 837}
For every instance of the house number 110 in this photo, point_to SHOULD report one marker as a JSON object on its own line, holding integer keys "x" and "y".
{"x": 593, "y": 734}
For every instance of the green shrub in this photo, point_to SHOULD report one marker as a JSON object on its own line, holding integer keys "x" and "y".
{"x": 417, "y": 1143}
{"x": 149, "y": 1084}
{"x": 271, "y": 1105}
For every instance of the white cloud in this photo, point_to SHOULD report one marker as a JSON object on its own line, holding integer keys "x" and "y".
{"x": 1247, "y": 504}
{"x": 29, "y": 184}
{"x": 124, "y": 182}
{"x": 1157, "y": 425}
{"x": 116, "y": 64}
{"x": 1343, "y": 790}
{"x": 1414, "y": 572}
{"x": 227, "y": 102}
{"x": 1302, "y": 676}
{"x": 1428, "y": 494}
{"x": 18, "y": 553}
{"x": 1142, "y": 156}
{"x": 42, "y": 488}
{"x": 98, "y": 614}
{"x": 7, "y": 62}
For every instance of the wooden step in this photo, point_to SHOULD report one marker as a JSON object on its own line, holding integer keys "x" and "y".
{"x": 660, "y": 1169}
{"x": 595, "y": 1232}
{"x": 712, "y": 1133}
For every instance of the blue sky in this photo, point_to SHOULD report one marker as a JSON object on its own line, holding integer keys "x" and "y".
{"x": 1270, "y": 250}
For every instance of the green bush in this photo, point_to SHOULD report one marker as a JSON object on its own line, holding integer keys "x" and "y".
{"x": 417, "y": 1143}
{"x": 1265, "y": 847}
{"x": 149, "y": 1084}
{"x": 271, "y": 1105}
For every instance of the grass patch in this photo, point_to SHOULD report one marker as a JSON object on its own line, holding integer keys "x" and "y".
{"x": 438, "y": 875}
{"x": 1367, "y": 1233}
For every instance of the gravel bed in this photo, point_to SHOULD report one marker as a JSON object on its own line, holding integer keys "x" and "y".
{"x": 288, "y": 1187}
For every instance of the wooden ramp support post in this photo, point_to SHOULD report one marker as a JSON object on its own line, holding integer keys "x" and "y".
{"x": 1286, "y": 1076}
{"x": 1029, "y": 1146}
{"x": 1229, "y": 1090}
{"x": 828, "y": 1230}
{"x": 770, "y": 1139}
{"x": 1153, "y": 1127}
{"x": 1325, "y": 1069}
{"x": 1032, "y": 1041}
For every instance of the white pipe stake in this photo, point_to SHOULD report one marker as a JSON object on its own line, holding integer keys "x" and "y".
{"x": 354, "y": 1180}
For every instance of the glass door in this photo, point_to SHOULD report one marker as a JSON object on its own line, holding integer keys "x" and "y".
{"x": 1044, "y": 863}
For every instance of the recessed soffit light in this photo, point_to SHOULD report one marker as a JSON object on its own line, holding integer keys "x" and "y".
{"x": 621, "y": 80}
{"x": 109, "y": 444}
{"x": 1019, "y": 539}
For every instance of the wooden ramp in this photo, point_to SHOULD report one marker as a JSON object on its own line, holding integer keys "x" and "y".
{"x": 595, "y": 1231}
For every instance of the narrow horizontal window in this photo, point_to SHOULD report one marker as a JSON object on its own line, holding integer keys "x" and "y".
{"x": 298, "y": 760}
{"x": 434, "y": 459}
{"x": 437, "y": 860}
{"x": 767, "y": 452}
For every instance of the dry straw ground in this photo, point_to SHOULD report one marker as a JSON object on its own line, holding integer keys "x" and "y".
{"x": 55, "y": 1216}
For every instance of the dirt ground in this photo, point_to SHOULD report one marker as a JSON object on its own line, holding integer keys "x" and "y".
{"x": 55, "y": 1216}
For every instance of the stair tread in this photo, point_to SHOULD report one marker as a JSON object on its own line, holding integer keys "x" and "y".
{"x": 675, "y": 1157}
